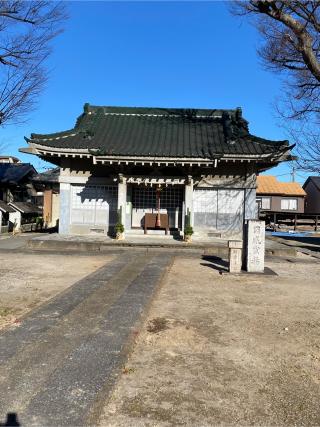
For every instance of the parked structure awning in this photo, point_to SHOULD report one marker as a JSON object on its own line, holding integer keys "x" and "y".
{"x": 5, "y": 208}
{"x": 25, "y": 207}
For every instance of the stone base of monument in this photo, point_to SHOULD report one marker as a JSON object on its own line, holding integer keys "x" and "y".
{"x": 255, "y": 246}
{"x": 235, "y": 256}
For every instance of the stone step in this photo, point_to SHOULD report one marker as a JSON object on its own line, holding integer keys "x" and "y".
{"x": 140, "y": 232}
{"x": 153, "y": 233}
{"x": 207, "y": 234}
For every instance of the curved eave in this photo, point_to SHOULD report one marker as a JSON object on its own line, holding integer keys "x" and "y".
{"x": 37, "y": 137}
{"x": 54, "y": 155}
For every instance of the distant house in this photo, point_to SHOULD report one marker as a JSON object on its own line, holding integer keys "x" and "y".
{"x": 15, "y": 182}
{"x": 6, "y": 213}
{"x": 20, "y": 202}
{"x": 312, "y": 189}
{"x": 9, "y": 159}
{"x": 279, "y": 197}
{"x": 48, "y": 183}
{"x": 25, "y": 216}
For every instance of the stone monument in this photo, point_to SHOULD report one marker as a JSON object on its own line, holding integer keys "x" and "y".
{"x": 235, "y": 256}
{"x": 255, "y": 246}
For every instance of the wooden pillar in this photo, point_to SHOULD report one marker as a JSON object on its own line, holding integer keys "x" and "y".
{"x": 316, "y": 224}
{"x": 274, "y": 221}
{"x": 295, "y": 222}
{"x": 47, "y": 207}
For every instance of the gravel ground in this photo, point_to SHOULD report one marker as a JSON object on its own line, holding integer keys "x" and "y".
{"x": 222, "y": 349}
{"x": 27, "y": 280}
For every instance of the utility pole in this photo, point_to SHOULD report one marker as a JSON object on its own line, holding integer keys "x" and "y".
{"x": 293, "y": 174}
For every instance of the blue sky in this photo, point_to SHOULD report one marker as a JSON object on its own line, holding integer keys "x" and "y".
{"x": 164, "y": 54}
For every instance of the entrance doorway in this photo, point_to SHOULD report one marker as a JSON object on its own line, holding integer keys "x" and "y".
{"x": 144, "y": 200}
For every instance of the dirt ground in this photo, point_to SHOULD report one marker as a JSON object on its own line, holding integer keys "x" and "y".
{"x": 230, "y": 350}
{"x": 27, "y": 280}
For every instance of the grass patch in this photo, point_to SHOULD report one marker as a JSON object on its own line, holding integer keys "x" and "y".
{"x": 157, "y": 325}
{"x": 5, "y": 311}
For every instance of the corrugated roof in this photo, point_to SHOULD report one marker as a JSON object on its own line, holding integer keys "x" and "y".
{"x": 5, "y": 208}
{"x": 161, "y": 132}
{"x": 270, "y": 185}
{"x": 26, "y": 207}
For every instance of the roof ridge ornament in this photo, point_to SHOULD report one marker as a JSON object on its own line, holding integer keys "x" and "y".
{"x": 234, "y": 126}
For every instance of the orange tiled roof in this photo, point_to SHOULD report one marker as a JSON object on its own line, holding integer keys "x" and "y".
{"x": 270, "y": 185}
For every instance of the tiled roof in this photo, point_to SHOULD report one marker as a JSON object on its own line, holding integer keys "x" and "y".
{"x": 270, "y": 185}
{"x": 13, "y": 173}
{"x": 49, "y": 176}
{"x": 161, "y": 132}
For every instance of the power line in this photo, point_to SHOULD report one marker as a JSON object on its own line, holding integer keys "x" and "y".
{"x": 283, "y": 174}
{"x": 300, "y": 176}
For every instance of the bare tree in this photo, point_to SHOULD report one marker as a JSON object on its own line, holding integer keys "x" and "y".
{"x": 291, "y": 46}
{"x": 26, "y": 30}
{"x": 306, "y": 135}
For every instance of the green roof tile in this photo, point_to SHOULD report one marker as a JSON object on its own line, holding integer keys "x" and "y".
{"x": 161, "y": 132}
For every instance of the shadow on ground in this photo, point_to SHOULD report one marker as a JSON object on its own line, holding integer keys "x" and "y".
{"x": 11, "y": 420}
{"x": 216, "y": 263}
{"x": 222, "y": 266}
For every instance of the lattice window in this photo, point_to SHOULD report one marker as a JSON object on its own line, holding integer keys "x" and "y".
{"x": 145, "y": 198}
{"x": 171, "y": 197}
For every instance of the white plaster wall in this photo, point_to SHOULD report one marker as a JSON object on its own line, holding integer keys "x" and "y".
{"x": 220, "y": 210}
{"x": 231, "y": 181}
{"x": 64, "y": 217}
{"x": 93, "y": 208}
{"x": 15, "y": 219}
{"x": 250, "y": 204}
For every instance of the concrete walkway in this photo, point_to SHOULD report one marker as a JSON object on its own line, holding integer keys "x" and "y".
{"x": 62, "y": 360}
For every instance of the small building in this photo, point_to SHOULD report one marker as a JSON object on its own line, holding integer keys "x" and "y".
{"x": 25, "y": 216}
{"x": 312, "y": 189}
{"x": 48, "y": 183}
{"x": 9, "y": 159}
{"x": 279, "y": 197}
{"x": 121, "y": 163}
{"x": 15, "y": 182}
{"x": 6, "y": 213}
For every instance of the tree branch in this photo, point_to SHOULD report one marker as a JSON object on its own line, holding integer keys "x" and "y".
{"x": 26, "y": 30}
